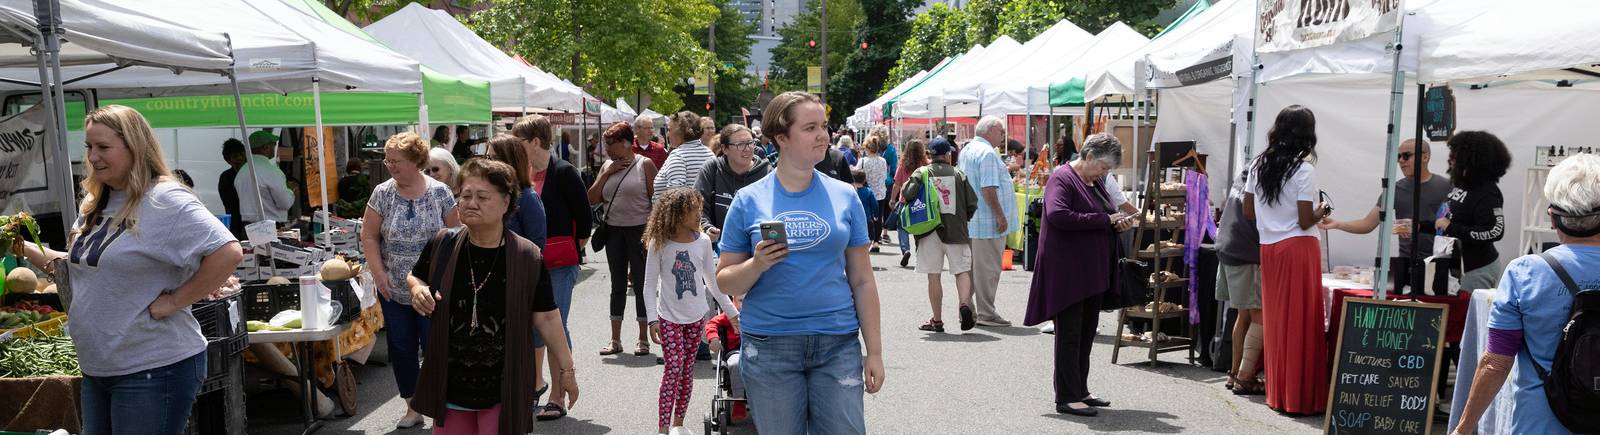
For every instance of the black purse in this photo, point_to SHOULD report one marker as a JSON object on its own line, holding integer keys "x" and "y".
{"x": 601, "y": 212}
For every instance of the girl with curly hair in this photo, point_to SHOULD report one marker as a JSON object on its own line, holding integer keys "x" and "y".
{"x": 681, "y": 260}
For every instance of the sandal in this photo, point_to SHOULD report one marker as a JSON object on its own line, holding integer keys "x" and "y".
{"x": 932, "y": 326}
{"x": 1249, "y": 387}
{"x": 551, "y": 411}
{"x": 643, "y": 349}
{"x": 1232, "y": 380}
{"x": 612, "y": 349}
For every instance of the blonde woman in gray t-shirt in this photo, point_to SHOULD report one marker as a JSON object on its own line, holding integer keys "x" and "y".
{"x": 142, "y": 353}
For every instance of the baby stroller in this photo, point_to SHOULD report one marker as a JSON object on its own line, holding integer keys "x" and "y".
{"x": 720, "y": 418}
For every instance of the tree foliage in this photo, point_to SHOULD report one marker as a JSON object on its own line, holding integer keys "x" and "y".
{"x": 622, "y": 47}
{"x": 883, "y": 29}
{"x": 792, "y": 55}
{"x": 936, "y": 33}
{"x": 983, "y": 20}
{"x": 365, "y": 11}
{"x": 1025, "y": 19}
{"x": 735, "y": 87}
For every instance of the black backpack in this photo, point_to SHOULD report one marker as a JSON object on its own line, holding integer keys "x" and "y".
{"x": 1572, "y": 384}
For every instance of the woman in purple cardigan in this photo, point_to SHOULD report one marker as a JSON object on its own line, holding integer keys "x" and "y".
{"x": 1079, "y": 227}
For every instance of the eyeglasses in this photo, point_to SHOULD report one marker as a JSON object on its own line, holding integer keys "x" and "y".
{"x": 435, "y": 169}
{"x": 1406, "y": 156}
{"x": 742, "y": 145}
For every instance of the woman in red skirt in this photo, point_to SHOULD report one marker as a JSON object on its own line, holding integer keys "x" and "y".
{"x": 1280, "y": 197}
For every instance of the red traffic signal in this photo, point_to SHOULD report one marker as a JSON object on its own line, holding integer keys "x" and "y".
{"x": 811, "y": 43}
{"x": 708, "y": 106}
{"x": 863, "y": 45}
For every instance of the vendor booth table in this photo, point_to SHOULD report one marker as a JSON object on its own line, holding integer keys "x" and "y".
{"x": 302, "y": 341}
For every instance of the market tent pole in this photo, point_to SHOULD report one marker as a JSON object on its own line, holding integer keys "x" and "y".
{"x": 238, "y": 109}
{"x": 322, "y": 155}
{"x": 1397, "y": 96}
{"x": 48, "y": 43}
{"x": 422, "y": 112}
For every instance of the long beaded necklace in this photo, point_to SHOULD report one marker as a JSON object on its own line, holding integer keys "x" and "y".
{"x": 477, "y": 285}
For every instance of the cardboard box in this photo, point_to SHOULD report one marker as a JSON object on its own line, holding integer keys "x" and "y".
{"x": 295, "y": 255}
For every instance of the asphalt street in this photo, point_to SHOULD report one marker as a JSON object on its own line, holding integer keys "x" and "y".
{"x": 985, "y": 381}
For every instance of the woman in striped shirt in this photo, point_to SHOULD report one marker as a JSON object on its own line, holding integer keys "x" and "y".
{"x": 688, "y": 156}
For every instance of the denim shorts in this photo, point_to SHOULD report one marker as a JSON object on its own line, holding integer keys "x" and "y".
{"x": 804, "y": 383}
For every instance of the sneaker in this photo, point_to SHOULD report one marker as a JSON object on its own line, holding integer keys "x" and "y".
{"x": 680, "y": 430}
{"x": 905, "y": 258}
{"x": 1048, "y": 328}
{"x": 994, "y": 322}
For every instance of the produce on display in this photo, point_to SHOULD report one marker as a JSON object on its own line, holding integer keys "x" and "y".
{"x": 339, "y": 269}
{"x": 12, "y": 228}
{"x": 257, "y": 326}
{"x": 38, "y": 355}
{"x": 278, "y": 280}
{"x": 22, "y": 280}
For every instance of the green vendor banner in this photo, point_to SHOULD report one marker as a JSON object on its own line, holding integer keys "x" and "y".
{"x": 267, "y": 110}
{"x": 1067, "y": 93}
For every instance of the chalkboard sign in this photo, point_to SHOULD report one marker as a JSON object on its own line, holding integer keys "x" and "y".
{"x": 1439, "y": 113}
{"x": 1385, "y": 367}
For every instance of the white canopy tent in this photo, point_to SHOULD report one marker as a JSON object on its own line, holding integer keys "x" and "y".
{"x": 927, "y": 100}
{"x": 98, "y": 36}
{"x": 1117, "y": 78}
{"x": 1203, "y": 73}
{"x": 280, "y": 49}
{"x": 1028, "y": 91}
{"x": 1046, "y": 52}
{"x": 443, "y": 43}
{"x": 1461, "y": 41}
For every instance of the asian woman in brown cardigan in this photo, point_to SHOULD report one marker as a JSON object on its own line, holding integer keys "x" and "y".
{"x": 477, "y": 372}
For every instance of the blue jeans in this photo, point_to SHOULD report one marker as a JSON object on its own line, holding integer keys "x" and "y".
{"x": 407, "y": 336}
{"x": 805, "y": 383}
{"x": 562, "y": 280}
{"x": 155, "y": 401}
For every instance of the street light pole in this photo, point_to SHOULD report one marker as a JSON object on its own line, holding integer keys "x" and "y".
{"x": 824, "y": 68}
{"x": 711, "y": 78}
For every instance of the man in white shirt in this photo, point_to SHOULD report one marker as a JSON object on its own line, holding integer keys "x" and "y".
{"x": 997, "y": 213}
{"x": 268, "y": 182}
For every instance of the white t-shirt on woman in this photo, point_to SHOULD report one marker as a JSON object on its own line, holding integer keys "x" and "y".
{"x": 1282, "y": 221}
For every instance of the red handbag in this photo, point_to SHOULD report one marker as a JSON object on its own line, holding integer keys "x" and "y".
{"x": 560, "y": 251}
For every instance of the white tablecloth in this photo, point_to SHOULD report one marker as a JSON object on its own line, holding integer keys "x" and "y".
{"x": 1474, "y": 338}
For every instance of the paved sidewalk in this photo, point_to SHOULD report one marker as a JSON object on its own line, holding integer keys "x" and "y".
{"x": 989, "y": 381}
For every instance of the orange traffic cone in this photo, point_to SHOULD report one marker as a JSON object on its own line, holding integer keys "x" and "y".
{"x": 1005, "y": 259}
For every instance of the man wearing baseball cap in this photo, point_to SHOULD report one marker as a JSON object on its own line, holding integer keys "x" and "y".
{"x": 268, "y": 182}
{"x": 949, "y": 244}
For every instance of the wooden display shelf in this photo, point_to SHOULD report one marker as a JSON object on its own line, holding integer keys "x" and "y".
{"x": 1177, "y": 283}
{"x": 1142, "y": 314}
{"x": 1171, "y": 344}
{"x": 1169, "y": 253}
{"x": 1164, "y": 224}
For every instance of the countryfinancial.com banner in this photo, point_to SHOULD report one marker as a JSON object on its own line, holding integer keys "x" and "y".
{"x": 269, "y": 110}
{"x": 1284, "y": 25}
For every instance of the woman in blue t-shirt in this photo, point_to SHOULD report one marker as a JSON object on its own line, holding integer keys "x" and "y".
{"x": 801, "y": 316}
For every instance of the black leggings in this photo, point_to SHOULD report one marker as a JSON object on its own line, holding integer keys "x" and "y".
{"x": 625, "y": 259}
{"x": 1075, "y": 331}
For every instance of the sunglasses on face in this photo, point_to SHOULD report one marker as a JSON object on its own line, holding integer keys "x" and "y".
{"x": 1407, "y": 156}
{"x": 435, "y": 169}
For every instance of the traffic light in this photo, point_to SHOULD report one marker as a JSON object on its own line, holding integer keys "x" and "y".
{"x": 863, "y": 45}
{"x": 811, "y": 43}
{"x": 709, "y": 106}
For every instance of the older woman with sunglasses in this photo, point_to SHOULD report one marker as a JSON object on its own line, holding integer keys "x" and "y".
{"x": 402, "y": 215}
{"x": 442, "y": 166}
{"x": 720, "y": 179}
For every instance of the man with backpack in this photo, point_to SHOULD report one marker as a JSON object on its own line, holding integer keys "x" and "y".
{"x": 1546, "y": 321}
{"x": 939, "y": 201}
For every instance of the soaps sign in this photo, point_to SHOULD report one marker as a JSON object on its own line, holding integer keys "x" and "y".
{"x": 22, "y": 148}
{"x": 1386, "y": 367}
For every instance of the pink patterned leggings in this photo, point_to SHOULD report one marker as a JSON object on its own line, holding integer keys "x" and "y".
{"x": 678, "y": 343}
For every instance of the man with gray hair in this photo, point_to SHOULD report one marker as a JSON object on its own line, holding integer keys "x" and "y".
{"x": 644, "y": 129}
{"x": 996, "y": 217}
{"x": 1539, "y": 299}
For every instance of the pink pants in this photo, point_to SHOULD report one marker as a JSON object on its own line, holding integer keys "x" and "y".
{"x": 481, "y": 422}
{"x": 678, "y": 343}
